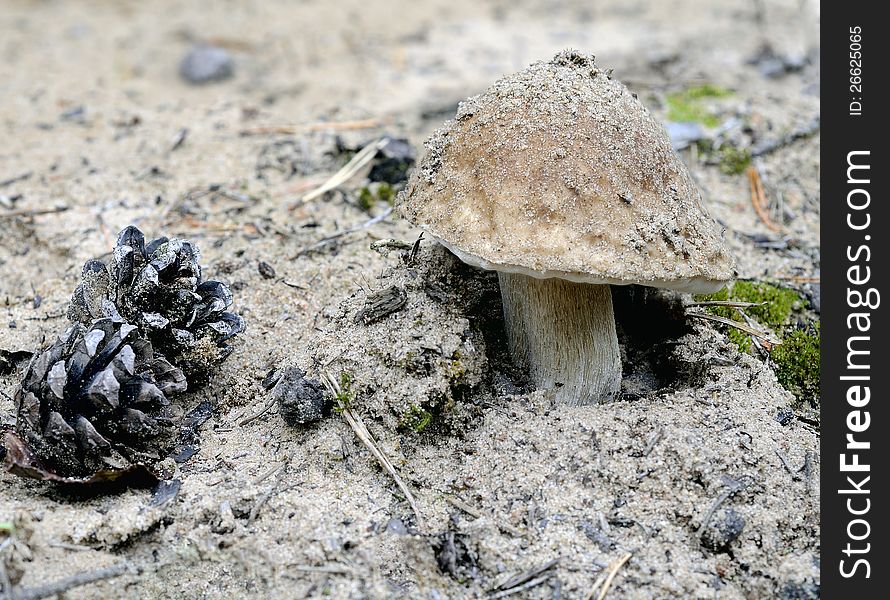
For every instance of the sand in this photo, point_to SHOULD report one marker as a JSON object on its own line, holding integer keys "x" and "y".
{"x": 96, "y": 120}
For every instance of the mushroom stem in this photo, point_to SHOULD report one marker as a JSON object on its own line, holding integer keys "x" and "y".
{"x": 563, "y": 334}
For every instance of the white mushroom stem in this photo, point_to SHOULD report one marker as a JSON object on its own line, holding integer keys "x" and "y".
{"x": 563, "y": 334}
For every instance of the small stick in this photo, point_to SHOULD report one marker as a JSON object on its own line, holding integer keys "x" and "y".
{"x": 179, "y": 139}
{"x": 365, "y": 436}
{"x": 784, "y": 460}
{"x": 730, "y": 491}
{"x": 607, "y": 582}
{"x": 63, "y": 585}
{"x": 331, "y": 238}
{"x": 656, "y": 437}
{"x": 15, "y": 179}
{"x": 736, "y": 324}
{"x": 67, "y": 546}
{"x": 761, "y": 344}
{"x": 251, "y": 418}
{"x": 799, "y": 278}
{"x": 347, "y": 172}
{"x": 526, "y": 586}
{"x": 331, "y": 569}
{"x": 758, "y": 199}
{"x": 280, "y": 470}
{"x": 385, "y": 245}
{"x": 729, "y": 303}
{"x": 24, "y": 212}
{"x": 318, "y": 126}
{"x": 526, "y": 576}
{"x": 478, "y": 514}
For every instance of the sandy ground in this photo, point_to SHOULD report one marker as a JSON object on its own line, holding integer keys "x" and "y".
{"x": 92, "y": 114}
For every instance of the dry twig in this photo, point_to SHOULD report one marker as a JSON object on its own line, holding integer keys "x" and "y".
{"x": 309, "y": 127}
{"x": 347, "y": 172}
{"x": 63, "y": 585}
{"x": 740, "y": 326}
{"x": 336, "y": 236}
{"x": 730, "y": 303}
{"x": 525, "y": 580}
{"x": 758, "y": 199}
{"x": 478, "y": 514}
{"x": 33, "y": 212}
{"x": 367, "y": 439}
{"x": 605, "y": 579}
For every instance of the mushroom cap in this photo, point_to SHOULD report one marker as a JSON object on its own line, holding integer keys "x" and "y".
{"x": 559, "y": 171}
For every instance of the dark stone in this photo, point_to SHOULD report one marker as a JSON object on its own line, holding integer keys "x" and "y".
{"x": 393, "y": 162}
{"x": 266, "y": 270}
{"x": 301, "y": 400}
{"x": 784, "y": 416}
{"x": 725, "y": 527}
{"x": 206, "y": 64}
{"x": 596, "y": 536}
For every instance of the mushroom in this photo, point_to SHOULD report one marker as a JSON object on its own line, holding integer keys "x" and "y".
{"x": 559, "y": 179}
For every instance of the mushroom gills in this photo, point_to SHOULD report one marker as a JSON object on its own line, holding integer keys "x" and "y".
{"x": 563, "y": 334}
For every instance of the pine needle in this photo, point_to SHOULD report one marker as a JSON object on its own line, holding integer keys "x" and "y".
{"x": 605, "y": 579}
{"x": 368, "y": 440}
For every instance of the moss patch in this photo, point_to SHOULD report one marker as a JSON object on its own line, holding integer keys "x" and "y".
{"x": 778, "y": 303}
{"x": 366, "y": 199}
{"x": 688, "y": 105}
{"x": 416, "y": 419}
{"x": 386, "y": 193}
{"x": 346, "y": 396}
{"x": 797, "y": 357}
{"x": 734, "y": 161}
{"x": 797, "y": 364}
{"x": 369, "y": 195}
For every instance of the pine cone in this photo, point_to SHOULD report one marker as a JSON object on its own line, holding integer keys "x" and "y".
{"x": 157, "y": 286}
{"x": 97, "y": 399}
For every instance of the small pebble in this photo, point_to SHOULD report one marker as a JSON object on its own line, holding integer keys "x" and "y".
{"x": 725, "y": 527}
{"x": 76, "y": 115}
{"x": 205, "y": 64}
{"x": 396, "y": 526}
{"x": 684, "y": 134}
{"x": 266, "y": 270}
{"x": 784, "y": 416}
{"x": 300, "y": 400}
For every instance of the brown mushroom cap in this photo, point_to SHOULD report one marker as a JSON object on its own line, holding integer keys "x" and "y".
{"x": 559, "y": 171}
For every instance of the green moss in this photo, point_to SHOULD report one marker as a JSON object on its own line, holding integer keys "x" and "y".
{"x": 366, "y": 199}
{"x": 688, "y": 106}
{"x": 454, "y": 368}
{"x": 416, "y": 419}
{"x": 775, "y": 304}
{"x": 797, "y": 357}
{"x": 778, "y": 303}
{"x": 346, "y": 396}
{"x": 797, "y": 363}
{"x": 385, "y": 193}
{"x": 369, "y": 195}
{"x": 707, "y": 90}
{"x": 775, "y": 307}
{"x": 734, "y": 161}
